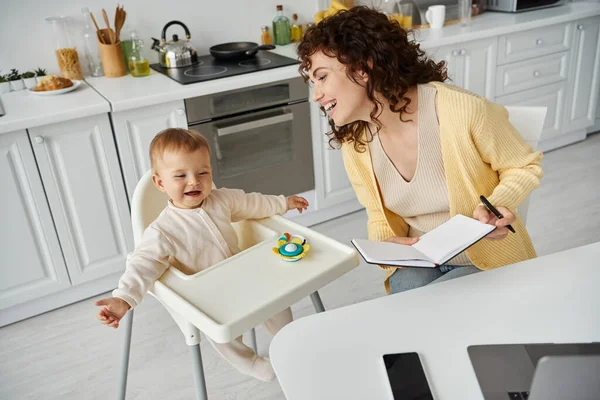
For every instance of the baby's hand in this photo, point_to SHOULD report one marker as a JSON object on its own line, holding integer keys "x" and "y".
{"x": 113, "y": 309}
{"x": 297, "y": 202}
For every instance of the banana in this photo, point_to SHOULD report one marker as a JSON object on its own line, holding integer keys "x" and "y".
{"x": 334, "y": 8}
{"x": 319, "y": 16}
{"x": 337, "y": 6}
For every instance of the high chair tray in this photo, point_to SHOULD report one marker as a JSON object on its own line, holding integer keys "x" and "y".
{"x": 241, "y": 292}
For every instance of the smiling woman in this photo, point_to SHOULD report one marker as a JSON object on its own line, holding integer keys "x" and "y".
{"x": 417, "y": 151}
{"x": 374, "y": 54}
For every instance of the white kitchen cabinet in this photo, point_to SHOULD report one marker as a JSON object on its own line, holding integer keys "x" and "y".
{"x": 454, "y": 64}
{"x": 471, "y": 65}
{"x": 331, "y": 181}
{"x": 529, "y": 74}
{"x": 31, "y": 262}
{"x": 596, "y": 127}
{"x": 534, "y": 43}
{"x": 135, "y": 129}
{"x": 333, "y": 194}
{"x": 550, "y": 96}
{"x": 79, "y": 166}
{"x": 584, "y": 75}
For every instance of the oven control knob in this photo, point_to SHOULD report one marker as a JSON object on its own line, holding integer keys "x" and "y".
{"x": 180, "y": 111}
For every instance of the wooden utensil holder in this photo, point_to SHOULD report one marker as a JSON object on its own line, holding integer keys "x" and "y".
{"x": 112, "y": 58}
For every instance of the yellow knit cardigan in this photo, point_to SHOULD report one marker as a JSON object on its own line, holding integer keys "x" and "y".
{"x": 482, "y": 154}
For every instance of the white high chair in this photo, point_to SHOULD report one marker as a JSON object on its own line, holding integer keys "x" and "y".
{"x": 269, "y": 284}
{"x": 529, "y": 121}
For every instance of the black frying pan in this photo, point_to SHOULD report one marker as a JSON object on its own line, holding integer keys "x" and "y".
{"x": 237, "y": 51}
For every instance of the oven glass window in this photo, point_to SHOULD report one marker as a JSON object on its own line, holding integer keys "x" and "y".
{"x": 253, "y": 143}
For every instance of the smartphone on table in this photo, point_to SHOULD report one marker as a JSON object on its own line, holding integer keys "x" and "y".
{"x": 407, "y": 377}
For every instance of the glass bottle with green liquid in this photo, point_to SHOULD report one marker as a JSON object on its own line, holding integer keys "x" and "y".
{"x": 137, "y": 62}
{"x": 281, "y": 28}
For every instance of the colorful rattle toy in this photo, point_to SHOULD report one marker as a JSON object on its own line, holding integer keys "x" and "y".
{"x": 291, "y": 247}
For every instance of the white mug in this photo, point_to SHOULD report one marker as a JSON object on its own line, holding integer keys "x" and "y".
{"x": 436, "y": 15}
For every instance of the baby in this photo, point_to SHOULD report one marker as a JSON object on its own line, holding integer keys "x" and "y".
{"x": 192, "y": 233}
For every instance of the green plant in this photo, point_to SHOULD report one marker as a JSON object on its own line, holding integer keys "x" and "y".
{"x": 40, "y": 72}
{"x": 27, "y": 74}
{"x": 13, "y": 75}
{"x": 3, "y": 79}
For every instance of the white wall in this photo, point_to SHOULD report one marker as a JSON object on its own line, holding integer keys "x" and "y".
{"x": 26, "y": 38}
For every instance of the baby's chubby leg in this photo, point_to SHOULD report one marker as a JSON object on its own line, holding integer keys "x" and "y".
{"x": 245, "y": 360}
{"x": 275, "y": 323}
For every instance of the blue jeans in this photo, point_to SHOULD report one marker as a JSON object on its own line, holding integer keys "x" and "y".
{"x": 411, "y": 278}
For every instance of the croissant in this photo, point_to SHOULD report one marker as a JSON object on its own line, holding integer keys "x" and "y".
{"x": 53, "y": 83}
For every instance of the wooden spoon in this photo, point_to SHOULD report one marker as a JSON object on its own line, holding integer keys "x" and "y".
{"x": 110, "y": 31}
{"x": 119, "y": 21}
{"x": 99, "y": 32}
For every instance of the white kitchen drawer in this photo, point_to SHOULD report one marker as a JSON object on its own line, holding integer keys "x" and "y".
{"x": 550, "y": 96}
{"x": 529, "y": 74}
{"x": 533, "y": 43}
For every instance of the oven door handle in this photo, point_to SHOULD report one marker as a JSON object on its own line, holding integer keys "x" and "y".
{"x": 260, "y": 123}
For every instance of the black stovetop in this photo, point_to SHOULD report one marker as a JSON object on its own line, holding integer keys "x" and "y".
{"x": 208, "y": 68}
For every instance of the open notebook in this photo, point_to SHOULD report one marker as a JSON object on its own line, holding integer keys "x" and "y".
{"x": 433, "y": 248}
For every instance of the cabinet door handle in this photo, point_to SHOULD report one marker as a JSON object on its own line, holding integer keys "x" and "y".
{"x": 463, "y": 52}
{"x": 39, "y": 139}
{"x": 536, "y": 73}
{"x": 261, "y": 123}
{"x": 180, "y": 111}
{"x": 454, "y": 53}
{"x": 580, "y": 27}
{"x": 539, "y": 42}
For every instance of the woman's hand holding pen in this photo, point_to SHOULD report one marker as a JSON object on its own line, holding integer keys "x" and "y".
{"x": 483, "y": 215}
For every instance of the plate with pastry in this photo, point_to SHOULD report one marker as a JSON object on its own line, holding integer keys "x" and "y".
{"x": 53, "y": 85}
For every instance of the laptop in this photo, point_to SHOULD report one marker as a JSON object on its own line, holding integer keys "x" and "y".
{"x": 566, "y": 377}
{"x": 506, "y": 371}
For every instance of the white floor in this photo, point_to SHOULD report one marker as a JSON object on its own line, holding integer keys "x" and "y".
{"x": 66, "y": 354}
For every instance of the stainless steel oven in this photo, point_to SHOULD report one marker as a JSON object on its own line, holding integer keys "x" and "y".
{"x": 259, "y": 136}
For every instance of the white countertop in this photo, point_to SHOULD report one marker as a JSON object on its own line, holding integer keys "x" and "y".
{"x": 127, "y": 92}
{"x": 492, "y": 23}
{"x": 25, "y": 110}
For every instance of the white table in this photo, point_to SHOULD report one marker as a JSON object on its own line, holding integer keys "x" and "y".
{"x": 337, "y": 354}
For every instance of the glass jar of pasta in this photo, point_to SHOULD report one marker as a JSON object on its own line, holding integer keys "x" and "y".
{"x": 66, "y": 53}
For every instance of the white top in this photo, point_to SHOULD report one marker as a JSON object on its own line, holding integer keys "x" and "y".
{"x": 25, "y": 110}
{"x": 192, "y": 239}
{"x": 337, "y": 354}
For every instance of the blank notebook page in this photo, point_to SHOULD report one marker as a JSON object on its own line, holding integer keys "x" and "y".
{"x": 450, "y": 238}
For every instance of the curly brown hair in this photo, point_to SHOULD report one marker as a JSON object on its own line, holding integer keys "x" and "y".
{"x": 365, "y": 40}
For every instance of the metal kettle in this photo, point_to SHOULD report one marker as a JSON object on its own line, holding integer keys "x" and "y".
{"x": 177, "y": 52}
